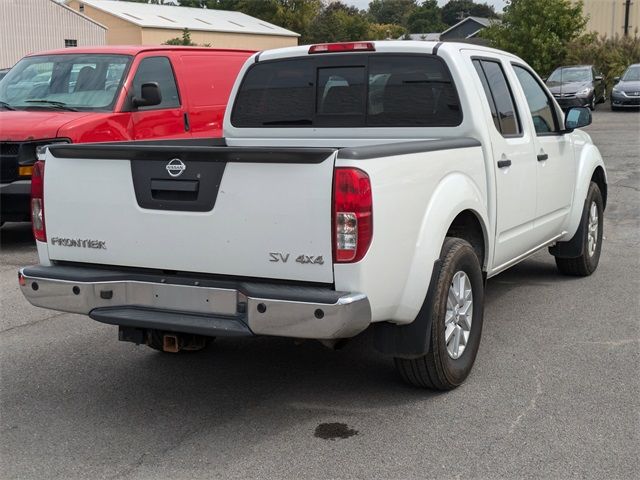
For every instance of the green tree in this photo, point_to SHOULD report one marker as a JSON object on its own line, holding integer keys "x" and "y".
{"x": 391, "y": 11}
{"x": 538, "y": 31}
{"x": 338, "y": 22}
{"x": 426, "y": 18}
{"x": 296, "y": 15}
{"x": 184, "y": 40}
{"x": 455, "y": 10}
{"x": 384, "y": 31}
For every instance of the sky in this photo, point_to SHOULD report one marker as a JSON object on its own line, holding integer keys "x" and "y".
{"x": 363, "y": 4}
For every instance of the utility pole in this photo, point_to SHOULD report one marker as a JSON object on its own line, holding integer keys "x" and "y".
{"x": 627, "y": 7}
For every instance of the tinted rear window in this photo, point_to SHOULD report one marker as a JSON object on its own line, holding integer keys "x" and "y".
{"x": 341, "y": 91}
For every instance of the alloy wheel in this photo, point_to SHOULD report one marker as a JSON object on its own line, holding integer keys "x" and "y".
{"x": 592, "y": 234}
{"x": 459, "y": 315}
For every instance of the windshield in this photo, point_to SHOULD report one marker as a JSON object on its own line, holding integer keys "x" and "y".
{"x": 87, "y": 82}
{"x": 570, "y": 75}
{"x": 632, "y": 74}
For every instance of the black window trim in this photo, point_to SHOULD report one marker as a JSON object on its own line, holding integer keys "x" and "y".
{"x": 328, "y": 59}
{"x": 516, "y": 106}
{"x": 129, "y": 104}
{"x": 559, "y": 131}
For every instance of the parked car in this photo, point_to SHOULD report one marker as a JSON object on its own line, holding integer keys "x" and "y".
{"x": 333, "y": 207}
{"x": 578, "y": 86}
{"x": 111, "y": 93}
{"x": 626, "y": 91}
{"x": 3, "y": 72}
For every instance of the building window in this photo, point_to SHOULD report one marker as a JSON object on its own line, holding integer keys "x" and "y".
{"x": 81, "y": 8}
{"x": 70, "y": 43}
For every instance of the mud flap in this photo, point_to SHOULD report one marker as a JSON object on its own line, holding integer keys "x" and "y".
{"x": 574, "y": 247}
{"x": 410, "y": 340}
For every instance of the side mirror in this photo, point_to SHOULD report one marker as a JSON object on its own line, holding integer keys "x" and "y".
{"x": 616, "y": 79}
{"x": 599, "y": 78}
{"x": 150, "y": 95}
{"x": 577, "y": 117}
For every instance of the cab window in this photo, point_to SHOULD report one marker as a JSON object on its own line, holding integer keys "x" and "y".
{"x": 158, "y": 70}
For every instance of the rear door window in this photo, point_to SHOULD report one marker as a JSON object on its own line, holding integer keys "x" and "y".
{"x": 372, "y": 90}
{"x": 499, "y": 96}
{"x": 488, "y": 94}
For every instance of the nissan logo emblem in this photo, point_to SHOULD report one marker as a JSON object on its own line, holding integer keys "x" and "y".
{"x": 175, "y": 167}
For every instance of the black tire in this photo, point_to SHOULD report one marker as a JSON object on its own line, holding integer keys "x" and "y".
{"x": 189, "y": 343}
{"x": 592, "y": 104}
{"x": 587, "y": 263}
{"x": 437, "y": 369}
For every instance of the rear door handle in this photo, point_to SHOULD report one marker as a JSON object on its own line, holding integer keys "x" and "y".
{"x": 542, "y": 157}
{"x": 504, "y": 163}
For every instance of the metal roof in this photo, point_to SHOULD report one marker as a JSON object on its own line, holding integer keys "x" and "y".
{"x": 177, "y": 18}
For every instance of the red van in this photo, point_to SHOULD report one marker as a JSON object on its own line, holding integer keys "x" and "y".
{"x": 107, "y": 94}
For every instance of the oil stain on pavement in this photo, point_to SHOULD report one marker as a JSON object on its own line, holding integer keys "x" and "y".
{"x": 333, "y": 431}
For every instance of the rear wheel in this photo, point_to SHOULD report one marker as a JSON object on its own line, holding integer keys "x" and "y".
{"x": 592, "y": 223}
{"x": 456, "y": 322}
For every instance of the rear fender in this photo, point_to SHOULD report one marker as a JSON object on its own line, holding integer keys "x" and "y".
{"x": 454, "y": 194}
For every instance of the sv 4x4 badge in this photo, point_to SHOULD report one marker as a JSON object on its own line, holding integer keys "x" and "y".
{"x": 304, "y": 259}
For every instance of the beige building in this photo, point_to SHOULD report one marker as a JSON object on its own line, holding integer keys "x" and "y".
{"x": 28, "y": 26}
{"x": 607, "y": 17}
{"x": 131, "y": 23}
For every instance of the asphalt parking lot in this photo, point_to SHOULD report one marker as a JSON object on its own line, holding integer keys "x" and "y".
{"x": 555, "y": 392}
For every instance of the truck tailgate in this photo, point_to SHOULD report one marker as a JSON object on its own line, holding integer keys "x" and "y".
{"x": 250, "y": 212}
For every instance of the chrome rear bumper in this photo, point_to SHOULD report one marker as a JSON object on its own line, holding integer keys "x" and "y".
{"x": 191, "y": 305}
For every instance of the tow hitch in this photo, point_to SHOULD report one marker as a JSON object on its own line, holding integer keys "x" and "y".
{"x": 171, "y": 342}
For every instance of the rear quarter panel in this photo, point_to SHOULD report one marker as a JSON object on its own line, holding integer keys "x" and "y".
{"x": 415, "y": 199}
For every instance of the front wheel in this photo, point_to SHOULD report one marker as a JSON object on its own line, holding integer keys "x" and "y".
{"x": 591, "y": 231}
{"x": 456, "y": 322}
{"x": 592, "y": 104}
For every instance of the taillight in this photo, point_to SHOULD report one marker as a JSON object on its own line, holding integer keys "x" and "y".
{"x": 342, "y": 47}
{"x": 352, "y": 215}
{"x": 37, "y": 202}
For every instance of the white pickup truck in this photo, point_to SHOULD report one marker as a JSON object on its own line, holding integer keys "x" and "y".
{"x": 359, "y": 184}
